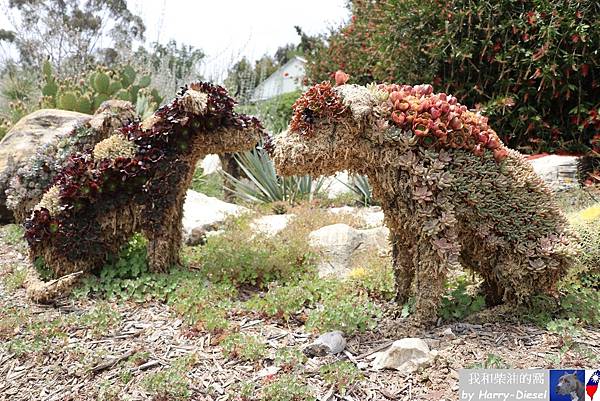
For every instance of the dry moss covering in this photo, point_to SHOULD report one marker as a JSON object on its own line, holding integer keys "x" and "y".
{"x": 134, "y": 181}
{"x": 452, "y": 193}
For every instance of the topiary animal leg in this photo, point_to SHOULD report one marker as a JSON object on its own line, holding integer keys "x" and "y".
{"x": 404, "y": 270}
{"x": 430, "y": 278}
{"x": 164, "y": 244}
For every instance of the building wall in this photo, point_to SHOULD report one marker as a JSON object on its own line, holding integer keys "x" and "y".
{"x": 286, "y": 79}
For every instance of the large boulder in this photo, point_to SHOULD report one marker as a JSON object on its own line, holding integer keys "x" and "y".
{"x": 202, "y": 214}
{"x": 337, "y": 244}
{"x": 41, "y": 140}
{"x": 30, "y": 133}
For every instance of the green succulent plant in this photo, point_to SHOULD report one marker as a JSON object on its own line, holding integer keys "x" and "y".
{"x": 85, "y": 95}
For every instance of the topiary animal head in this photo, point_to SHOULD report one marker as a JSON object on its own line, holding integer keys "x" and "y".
{"x": 204, "y": 118}
{"x": 351, "y": 127}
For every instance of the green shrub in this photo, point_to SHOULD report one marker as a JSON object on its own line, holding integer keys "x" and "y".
{"x": 374, "y": 274}
{"x": 282, "y": 302}
{"x": 531, "y": 66}
{"x": 241, "y": 257}
{"x": 12, "y": 234}
{"x": 286, "y": 388}
{"x": 491, "y": 361}
{"x": 100, "y": 319}
{"x": 289, "y": 358}
{"x": 344, "y": 310}
{"x": 202, "y": 303}
{"x": 210, "y": 185}
{"x": 171, "y": 383}
{"x": 275, "y": 113}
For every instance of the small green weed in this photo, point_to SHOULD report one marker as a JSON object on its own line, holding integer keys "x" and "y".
{"x": 347, "y": 311}
{"x": 282, "y": 302}
{"x": 459, "y": 302}
{"x": 203, "y": 304}
{"x": 286, "y": 388}
{"x": 13, "y": 234}
{"x": 241, "y": 257}
{"x": 15, "y": 279}
{"x": 241, "y": 391}
{"x": 210, "y": 184}
{"x": 244, "y": 347}
{"x": 100, "y": 319}
{"x": 289, "y": 357}
{"x": 492, "y": 361}
{"x": 374, "y": 274}
{"x": 342, "y": 375}
{"x": 171, "y": 383}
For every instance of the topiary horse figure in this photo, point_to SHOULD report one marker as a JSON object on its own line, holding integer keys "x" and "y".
{"x": 453, "y": 195}
{"x": 133, "y": 181}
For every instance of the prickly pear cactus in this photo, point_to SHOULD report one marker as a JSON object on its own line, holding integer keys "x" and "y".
{"x": 85, "y": 94}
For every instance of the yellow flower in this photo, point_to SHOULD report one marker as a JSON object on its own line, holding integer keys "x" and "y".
{"x": 591, "y": 213}
{"x": 358, "y": 273}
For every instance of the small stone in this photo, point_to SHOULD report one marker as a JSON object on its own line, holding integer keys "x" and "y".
{"x": 329, "y": 343}
{"x": 407, "y": 355}
{"x": 448, "y": 333}
{"x": 196, "y": 237}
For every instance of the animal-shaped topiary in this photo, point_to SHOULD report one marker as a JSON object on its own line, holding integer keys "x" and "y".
{"x": 133, "y": 181}
{"x": 453, "y": 195}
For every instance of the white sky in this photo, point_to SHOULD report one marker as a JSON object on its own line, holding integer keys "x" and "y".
{"x": 226, "y": 30}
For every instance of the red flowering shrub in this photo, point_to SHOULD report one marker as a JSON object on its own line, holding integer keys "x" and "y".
{"x": 532, "y": 66}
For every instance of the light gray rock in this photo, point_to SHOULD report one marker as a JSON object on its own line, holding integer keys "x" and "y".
{"x": 271, "y": 224}
{"x": 330, "y": 343}
{"x": 406, "y": 355}
{"x": 559, "y": 172}
{"x": 211, "y": 164}
{"x": 371, "y": 216}
{"x": 338, "y": 242}
{"x": 205, "y": 213}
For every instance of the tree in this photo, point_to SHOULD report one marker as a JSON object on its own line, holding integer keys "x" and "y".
{"x": 69, "y": 32}
{"x": 171, "y": 65}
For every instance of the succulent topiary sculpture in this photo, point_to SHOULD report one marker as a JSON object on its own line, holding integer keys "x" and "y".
{"x": 133, "y": 181}
{"x": 453, "y": 195}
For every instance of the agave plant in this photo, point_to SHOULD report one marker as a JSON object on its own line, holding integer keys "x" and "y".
{"x": 263, "y": 185}
{"x": 360, "y": 187}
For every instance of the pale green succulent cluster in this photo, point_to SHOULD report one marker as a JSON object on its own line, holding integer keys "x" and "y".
{"x": 50, "y": 200}
{"x": 114, "y": 146}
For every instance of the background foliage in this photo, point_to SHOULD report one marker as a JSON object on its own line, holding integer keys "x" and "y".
{"x": 532, "y": 66}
